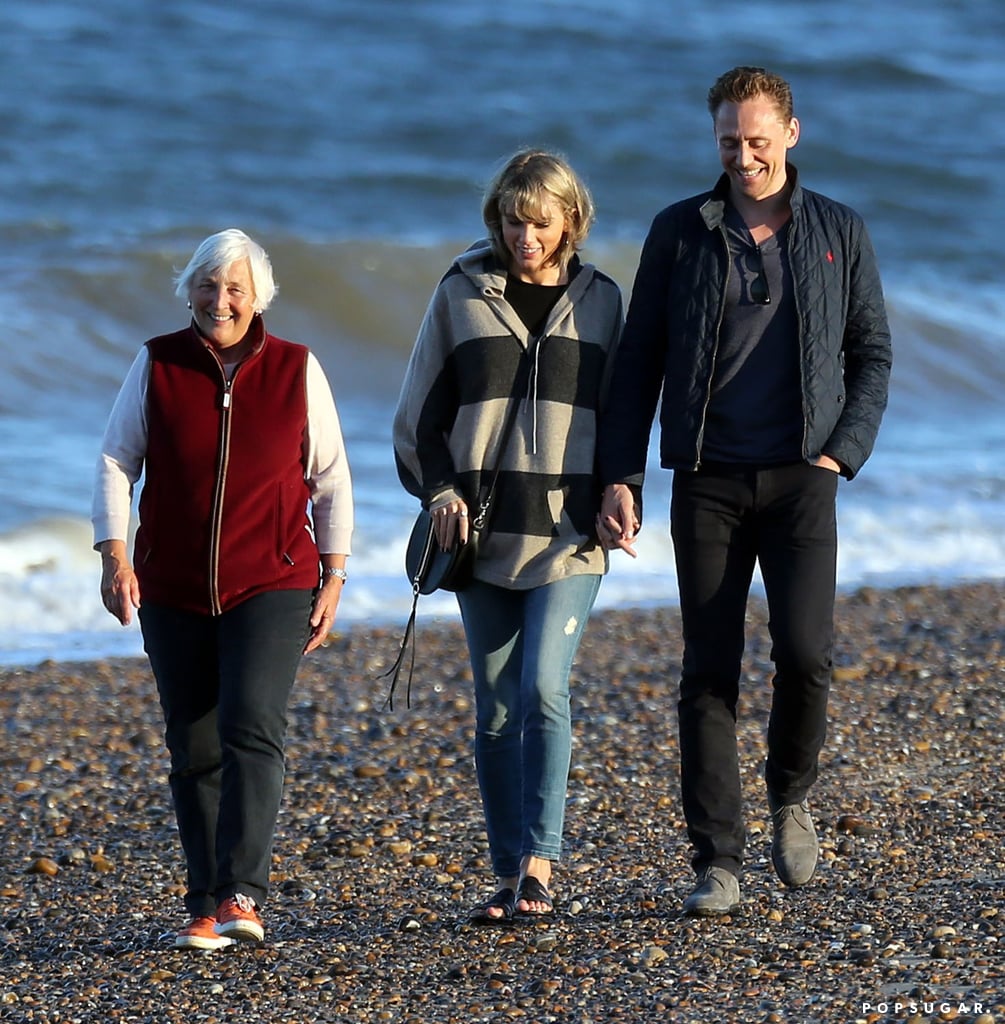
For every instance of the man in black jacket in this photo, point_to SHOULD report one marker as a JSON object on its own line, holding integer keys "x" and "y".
{"x": 758, "y": 314}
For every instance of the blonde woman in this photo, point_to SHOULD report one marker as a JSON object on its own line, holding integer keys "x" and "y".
{"x": 518, "y": 317}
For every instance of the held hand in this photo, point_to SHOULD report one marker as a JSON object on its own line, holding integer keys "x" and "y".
{"x": 323, "y": 614}
{"x": 618, "y": 521}
{"x": 450, "y": 520}
{"x": 120, "y": 590}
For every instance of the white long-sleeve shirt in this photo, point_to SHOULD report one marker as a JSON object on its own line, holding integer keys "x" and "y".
{"x": 123, "y": 450}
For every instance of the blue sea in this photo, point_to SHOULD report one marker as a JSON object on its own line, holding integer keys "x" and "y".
{"x": 353, "y": 139}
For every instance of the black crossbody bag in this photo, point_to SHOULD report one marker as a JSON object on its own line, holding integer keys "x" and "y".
{"x": 428, "y": 567}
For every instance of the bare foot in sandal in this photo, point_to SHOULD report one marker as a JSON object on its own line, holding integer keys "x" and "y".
{"x": 532, "y": 895}
{"x": 497, "y": 909}
{"x": 533, "y": 898}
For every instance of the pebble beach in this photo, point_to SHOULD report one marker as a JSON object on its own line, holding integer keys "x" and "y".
{"x": 380, "y": 849}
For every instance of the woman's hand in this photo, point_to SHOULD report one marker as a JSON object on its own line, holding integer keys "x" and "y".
{"x": 618, "y": 520}
{"x": 325, "y": 604}
{"x": 120, "y": 590}
{"x": 450, "y": 520}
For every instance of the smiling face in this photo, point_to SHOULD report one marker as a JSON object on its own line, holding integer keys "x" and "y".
{"x": 532, "y": 239}
{"x": 753, "y": 140}
{"x": 223, "y": 303}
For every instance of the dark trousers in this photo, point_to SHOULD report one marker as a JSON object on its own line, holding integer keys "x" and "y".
{"x": 224, "y": 684}
{"x": 724, "y": 519}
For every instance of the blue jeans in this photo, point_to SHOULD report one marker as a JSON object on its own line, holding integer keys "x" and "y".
{"x": 724, "y": 519}
{"x": 522, "y": 644}
{"x": 224, "y": 683}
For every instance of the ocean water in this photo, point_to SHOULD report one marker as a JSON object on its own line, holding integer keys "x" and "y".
{"x": 353, "y": 140}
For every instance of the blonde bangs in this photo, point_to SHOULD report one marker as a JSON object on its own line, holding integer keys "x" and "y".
{"x": 527, "y": 202}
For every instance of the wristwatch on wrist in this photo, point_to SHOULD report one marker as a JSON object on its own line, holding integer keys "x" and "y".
{"x": 337, "y": 573}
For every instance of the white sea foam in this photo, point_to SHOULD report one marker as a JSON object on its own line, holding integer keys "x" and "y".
{"x": 50, "y": 609}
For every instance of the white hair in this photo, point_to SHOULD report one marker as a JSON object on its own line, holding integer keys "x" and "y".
{"x": 222, "y": 250}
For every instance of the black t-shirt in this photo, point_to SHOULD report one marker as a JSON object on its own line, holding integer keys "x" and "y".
{"x": 532, "y": 302}
{"x": 755, "y": 411}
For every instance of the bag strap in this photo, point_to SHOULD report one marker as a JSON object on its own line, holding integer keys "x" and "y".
{"x": 407, "y": 641}
{"x": 478, "y": 522}
{"x": 408, "y": 638}
{"x": 523, "y": 373}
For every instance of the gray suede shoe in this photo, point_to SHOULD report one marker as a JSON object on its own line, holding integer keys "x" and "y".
{"x": 794, "y": 846}
{"x": 717, "y": 892}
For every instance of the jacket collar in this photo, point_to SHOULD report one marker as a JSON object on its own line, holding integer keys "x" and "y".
{"x": 256, "y": 333}
{"x": 713, "y": 210}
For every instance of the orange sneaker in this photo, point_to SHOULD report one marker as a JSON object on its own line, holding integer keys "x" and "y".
{"x": 237, "y": 918}
{"x": 200, "y": 933}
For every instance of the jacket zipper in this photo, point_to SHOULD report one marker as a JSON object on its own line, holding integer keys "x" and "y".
{"x": 799, "y": 340}
{"x": 715, "y": 354}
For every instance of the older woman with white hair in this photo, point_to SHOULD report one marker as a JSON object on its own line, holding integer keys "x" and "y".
{"x": 245, "y": 518}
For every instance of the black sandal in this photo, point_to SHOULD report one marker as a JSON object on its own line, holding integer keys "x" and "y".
{"x": 533, "y": 891}
{"x": 504, "y": 900}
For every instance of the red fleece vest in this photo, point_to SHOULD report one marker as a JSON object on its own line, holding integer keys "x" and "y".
{"x": 223, "y": 511}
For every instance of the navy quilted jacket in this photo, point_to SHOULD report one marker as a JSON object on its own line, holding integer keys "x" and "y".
{"x": 672, "y": 335}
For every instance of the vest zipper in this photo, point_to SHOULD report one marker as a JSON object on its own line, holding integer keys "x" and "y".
{"x": 216, "y": 518}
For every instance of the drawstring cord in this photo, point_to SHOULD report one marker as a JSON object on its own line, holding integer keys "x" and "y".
{"x": 531, "y": 397}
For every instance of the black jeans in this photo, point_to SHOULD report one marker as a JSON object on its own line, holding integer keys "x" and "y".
{"x": 724, "y": 519}
{"x": 224, "y": 684}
